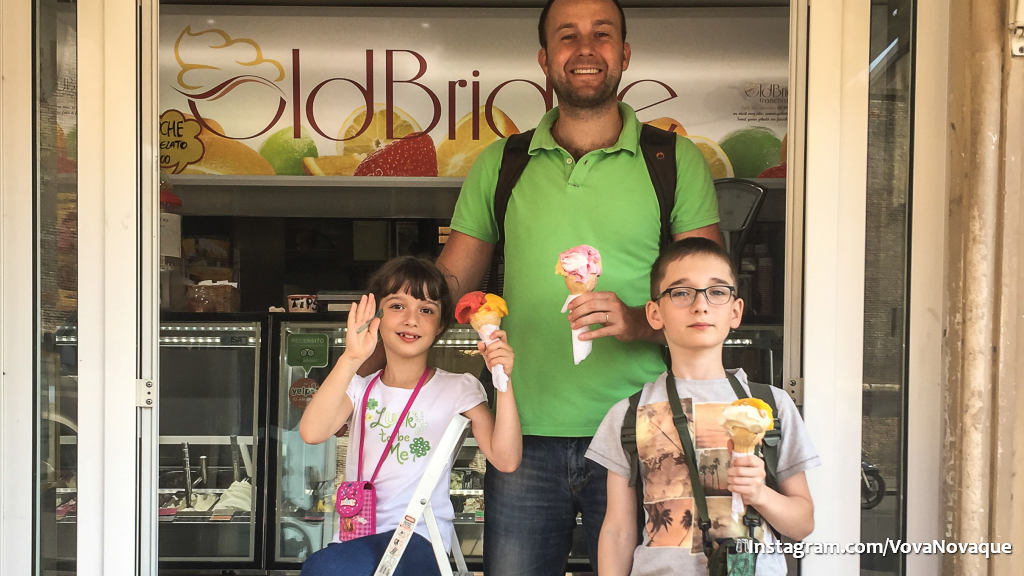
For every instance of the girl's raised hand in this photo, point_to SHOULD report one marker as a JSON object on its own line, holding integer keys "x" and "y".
{"x": 363, "y": 323}
{"x": 497, "y": 352}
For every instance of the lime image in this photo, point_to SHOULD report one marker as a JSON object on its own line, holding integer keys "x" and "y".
{"x": 285, "y": 153}
{"x": 751, "y": 150}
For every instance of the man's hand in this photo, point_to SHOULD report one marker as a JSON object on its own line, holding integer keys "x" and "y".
{"x": 616, "y": 319}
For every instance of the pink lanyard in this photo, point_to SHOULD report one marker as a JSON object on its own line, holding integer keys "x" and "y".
{"x": 398, "y": 424}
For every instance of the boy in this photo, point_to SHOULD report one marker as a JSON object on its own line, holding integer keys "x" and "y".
{"x": 693, "y": 299}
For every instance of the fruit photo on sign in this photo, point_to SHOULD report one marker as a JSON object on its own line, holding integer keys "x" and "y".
{"x": 751, "y": 150}
{"x": 718, "y": 161}
{"x": 779, "y": 170}
{"x": 218, "y": 155}
{"x": 456, "y": 155}
{"x": 359, "y": 138}
{"x": 285, "y": 152}
{"x": 408, "y": 157}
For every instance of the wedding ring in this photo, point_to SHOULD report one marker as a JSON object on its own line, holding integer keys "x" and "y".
{"x": 607, "y": 319}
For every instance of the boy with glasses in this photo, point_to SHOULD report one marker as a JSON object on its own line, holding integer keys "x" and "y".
{"x": 693, "y": 299}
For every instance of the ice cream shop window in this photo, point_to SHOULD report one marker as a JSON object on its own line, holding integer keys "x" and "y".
{"x": 301, "y": 147}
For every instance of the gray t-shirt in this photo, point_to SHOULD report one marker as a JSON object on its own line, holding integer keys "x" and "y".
{"x": 672, "y": 538}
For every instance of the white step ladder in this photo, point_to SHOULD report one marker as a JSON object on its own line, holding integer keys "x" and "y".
{"x": 447, "y": 449}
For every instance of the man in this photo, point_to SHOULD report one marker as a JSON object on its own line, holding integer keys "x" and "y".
{"x": 586, "y": 183}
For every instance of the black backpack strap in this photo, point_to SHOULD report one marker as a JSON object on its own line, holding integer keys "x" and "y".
{"x": 769, "y": 449}
{"x": 514, "y": 158}
{"x": 683, "y": 429}
{"x": 628, "y": 437}
{"x": 659, "y": 150}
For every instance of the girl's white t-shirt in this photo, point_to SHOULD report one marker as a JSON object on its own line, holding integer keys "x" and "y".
{"x": 443, "y": 396}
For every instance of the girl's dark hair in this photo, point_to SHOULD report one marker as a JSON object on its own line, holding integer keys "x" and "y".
{"x": 543, "y": 22}
{"x": 681, "y": 249}
{"x": 420, "y": 277}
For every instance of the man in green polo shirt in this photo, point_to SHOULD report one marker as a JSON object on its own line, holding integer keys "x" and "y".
{"x": 586, "y": 183}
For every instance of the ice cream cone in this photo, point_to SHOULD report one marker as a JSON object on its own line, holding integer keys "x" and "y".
{"x": 484, "y": 313}
{"x": 576, "y": 287}
{"x": 744, "y": 441}
{"x": 482, "y": 318}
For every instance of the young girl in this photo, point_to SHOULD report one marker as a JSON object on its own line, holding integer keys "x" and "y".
{"x": 416, "y": 308}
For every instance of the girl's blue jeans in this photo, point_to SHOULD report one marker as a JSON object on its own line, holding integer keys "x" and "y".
{"x": 360, "y": 557}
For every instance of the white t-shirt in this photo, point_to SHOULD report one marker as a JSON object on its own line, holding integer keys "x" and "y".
{"x": 672, "y": 538}
{"x": 443, "y": 396}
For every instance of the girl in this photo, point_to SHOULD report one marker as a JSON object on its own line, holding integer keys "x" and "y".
{"x": 415, "y": 309}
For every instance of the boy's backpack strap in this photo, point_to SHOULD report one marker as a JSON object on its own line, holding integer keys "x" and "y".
{"x": 514, "y": 158}
{"x": 628, "y": 437}
{"x": 772, "y": 438}
{"x": 659, "y": 150}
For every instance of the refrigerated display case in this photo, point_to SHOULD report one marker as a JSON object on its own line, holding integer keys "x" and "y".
{"x": 212, "y": 414}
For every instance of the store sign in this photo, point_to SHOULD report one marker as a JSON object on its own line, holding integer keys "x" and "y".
{"x": 301, "y": 392}
{"x": 421, "y": 91}
{"x": 307, "y": 351}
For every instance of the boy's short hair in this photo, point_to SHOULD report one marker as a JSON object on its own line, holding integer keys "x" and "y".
{"x": 420, "y": 277}
{"x": 543, "y": 22}
{"x": 681, "y": 249}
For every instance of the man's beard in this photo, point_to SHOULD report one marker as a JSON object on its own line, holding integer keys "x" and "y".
{"x": 567, "y": 96}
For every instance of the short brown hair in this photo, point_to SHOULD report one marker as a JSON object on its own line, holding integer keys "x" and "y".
{"x": 543, "y": 22}
{"x": 681, "y": 249}
{"x": 419, "y": 277}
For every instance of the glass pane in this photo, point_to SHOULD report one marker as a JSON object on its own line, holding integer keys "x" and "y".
{"x": 56, "y": 277}
{"x": 210, "y": 450}
{"x": 886, "y": 279}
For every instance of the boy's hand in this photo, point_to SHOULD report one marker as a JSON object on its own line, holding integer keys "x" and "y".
{"x": 361, "y": 338}
{"x": 497, "y": 352}
{"x": 746, "y": 477}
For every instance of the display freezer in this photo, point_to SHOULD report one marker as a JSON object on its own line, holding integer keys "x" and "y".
{"x": 212, "y": 441}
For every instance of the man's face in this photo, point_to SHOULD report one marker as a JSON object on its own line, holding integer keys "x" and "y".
{"x": 585, "y": 54}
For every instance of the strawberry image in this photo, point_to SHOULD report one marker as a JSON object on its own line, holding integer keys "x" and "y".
{"x": 774, "y": 172}
{"x": 405, "y": 157}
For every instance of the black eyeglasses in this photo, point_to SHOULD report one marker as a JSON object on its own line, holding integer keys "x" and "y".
{"x": 686, "y": 296}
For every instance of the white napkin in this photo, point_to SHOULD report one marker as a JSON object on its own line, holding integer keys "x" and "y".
{"x": 498, "y": 376}
{"x": 580, "y": 348}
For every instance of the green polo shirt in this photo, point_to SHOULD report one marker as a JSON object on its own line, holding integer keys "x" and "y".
{"x": 606, "y": 200}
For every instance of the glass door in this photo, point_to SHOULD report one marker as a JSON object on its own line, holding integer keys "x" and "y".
{"x": 55, "y": 302}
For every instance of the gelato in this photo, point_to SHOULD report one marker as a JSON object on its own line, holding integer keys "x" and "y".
{"x": 745, "y": 420}
{"x": 238, "y": 496}
{"x": 484, "y": 312}
{"x": 581, "y": 266}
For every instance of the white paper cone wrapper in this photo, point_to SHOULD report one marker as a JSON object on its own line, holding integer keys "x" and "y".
{"x": 498, "y": 376}
{"x": 580, "y": 348}
{"x": 737, "y": 501}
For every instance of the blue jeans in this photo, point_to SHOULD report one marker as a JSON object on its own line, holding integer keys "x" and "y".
{"x": 360, "y": 557}
{"x": 530, "y": 513}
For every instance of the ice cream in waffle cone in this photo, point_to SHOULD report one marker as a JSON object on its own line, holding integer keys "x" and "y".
{"x": 484, "y": 313}
{"x": 745, "y": 420}
{"x": 581, "y": 266}
{"x": 574, "y": 285}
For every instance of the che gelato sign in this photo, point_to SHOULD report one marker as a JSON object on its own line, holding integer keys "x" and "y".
{"x": 422, "y": 91}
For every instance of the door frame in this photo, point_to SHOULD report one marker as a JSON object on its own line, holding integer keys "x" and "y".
{"x": 16, "y": 286}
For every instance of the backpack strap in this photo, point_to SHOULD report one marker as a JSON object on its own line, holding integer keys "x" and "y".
{"x": 769, "y": 449}
{"x": 627, "y": 436}
{"x": 659, "y": 150}
{"x": 682, "y": 425}
{"x": 514, "y": 158}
